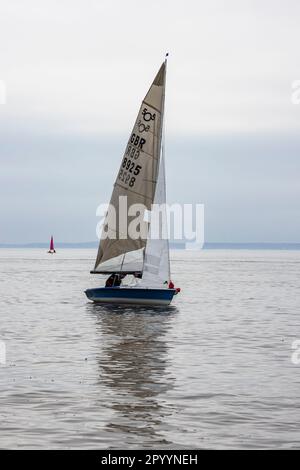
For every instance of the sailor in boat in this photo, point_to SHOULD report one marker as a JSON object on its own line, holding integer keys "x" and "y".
{"x": 114, "y": 280}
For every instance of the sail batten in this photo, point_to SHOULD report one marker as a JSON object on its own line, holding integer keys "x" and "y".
{"x": 136, "y": 179}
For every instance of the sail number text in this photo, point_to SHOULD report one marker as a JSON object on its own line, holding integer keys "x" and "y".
{"x": 129, "y": 168}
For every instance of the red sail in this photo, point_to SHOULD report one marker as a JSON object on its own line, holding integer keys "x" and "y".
{"x": 51, "y": 244}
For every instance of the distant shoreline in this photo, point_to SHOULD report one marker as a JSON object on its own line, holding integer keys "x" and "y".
{"x": 173, "y": 246}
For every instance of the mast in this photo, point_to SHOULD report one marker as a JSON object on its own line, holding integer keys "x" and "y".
{"x": 163, "y": 151}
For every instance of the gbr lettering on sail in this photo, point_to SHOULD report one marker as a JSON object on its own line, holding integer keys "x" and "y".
{"x": 132, "y": 165}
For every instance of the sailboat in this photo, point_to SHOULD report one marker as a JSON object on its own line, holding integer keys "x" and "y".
{"x": 51, "y": 249}
{"x": 141, "y": 179}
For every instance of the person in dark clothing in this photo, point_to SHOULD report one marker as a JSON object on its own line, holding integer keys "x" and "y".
{"x": 109, "y": 281}
{"x": 114, "y": 280}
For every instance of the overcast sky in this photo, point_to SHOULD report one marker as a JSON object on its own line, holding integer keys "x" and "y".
{"x": 75, "y": 73}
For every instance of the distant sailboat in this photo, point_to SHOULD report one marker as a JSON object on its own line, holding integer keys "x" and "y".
{"x": 51, "y": 249}
{"x": 141, "y": 179}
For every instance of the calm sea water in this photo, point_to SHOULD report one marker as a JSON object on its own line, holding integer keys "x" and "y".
{"x": 212, "y": 371}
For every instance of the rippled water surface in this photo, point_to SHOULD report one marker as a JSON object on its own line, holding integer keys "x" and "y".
{"x": 214, "y": 370}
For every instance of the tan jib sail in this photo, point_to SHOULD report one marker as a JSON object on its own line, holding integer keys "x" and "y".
{"x": 118, "y": 250}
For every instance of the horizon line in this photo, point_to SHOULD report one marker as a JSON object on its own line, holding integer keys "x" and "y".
{"x": 179, "y": 244}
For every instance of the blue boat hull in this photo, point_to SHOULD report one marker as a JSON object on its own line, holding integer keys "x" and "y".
{"x": 131, "y": 295}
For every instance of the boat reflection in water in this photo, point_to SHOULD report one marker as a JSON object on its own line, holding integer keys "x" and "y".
{"x": 134, "y": 367}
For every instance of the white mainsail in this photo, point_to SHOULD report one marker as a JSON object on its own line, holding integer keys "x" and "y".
{"x": 136, "y": 180}
{"x": 156, "y": 270}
